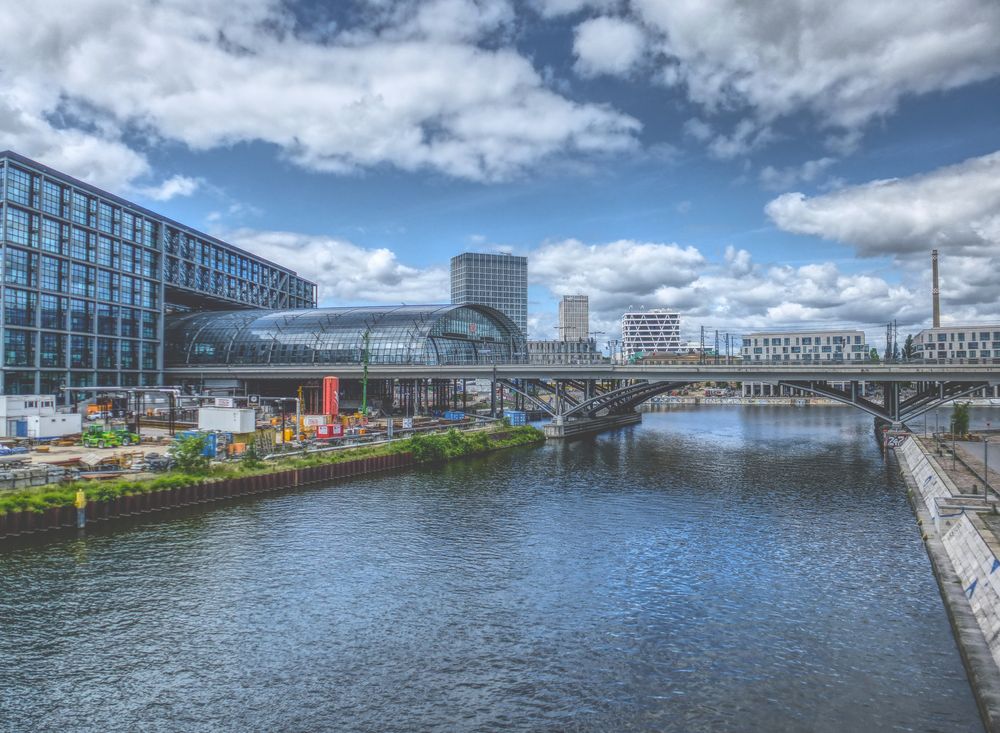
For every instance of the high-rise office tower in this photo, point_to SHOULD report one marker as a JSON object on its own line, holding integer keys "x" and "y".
{"x": 574, "y": 318}
{"x": 497, "y": 280}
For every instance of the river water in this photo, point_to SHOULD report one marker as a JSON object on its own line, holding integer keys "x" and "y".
{"x": 714, "y": 569}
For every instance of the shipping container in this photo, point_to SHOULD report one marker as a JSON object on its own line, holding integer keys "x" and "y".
{"x": 326, "y": 432}
{"x": 54, "y": 426}
{"x": 230, "y": 420}
{"x": 515, "y": 417}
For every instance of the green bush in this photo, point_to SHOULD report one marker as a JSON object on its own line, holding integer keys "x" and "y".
{"x": 189, "y": 454}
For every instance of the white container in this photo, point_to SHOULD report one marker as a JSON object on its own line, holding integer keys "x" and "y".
{"x": 54, "y": 426}
{"x": 227, "y": 420}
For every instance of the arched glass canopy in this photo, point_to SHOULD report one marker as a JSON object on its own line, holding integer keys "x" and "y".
{"x": 409, "y": 334}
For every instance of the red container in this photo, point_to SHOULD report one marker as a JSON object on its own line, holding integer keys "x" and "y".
{"x": 328, "y": 432}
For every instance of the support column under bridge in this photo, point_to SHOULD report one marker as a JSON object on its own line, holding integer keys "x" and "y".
{"x": 581, "y": 407}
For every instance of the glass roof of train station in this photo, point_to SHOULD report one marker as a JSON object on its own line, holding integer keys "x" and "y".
{"x": 409, "y": 334}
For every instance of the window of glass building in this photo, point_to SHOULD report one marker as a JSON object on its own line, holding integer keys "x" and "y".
{"x": 81, "y": 354}
{"x": 54, "y": 273}
{"x": 52, "y": 349}
{"x": 19, "y": 348}
{"x": 21, "y": 268}
{"x": 20, "y": 307}
{"x": 53, "y": 311}
{"x": 19, "y": 186}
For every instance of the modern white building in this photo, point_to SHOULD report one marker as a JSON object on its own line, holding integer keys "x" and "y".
{"x": 801, "y": 346}
{"x": 656, "y": 331}
{"x": 977, "y": 341}
{"x": 574, "y": 318}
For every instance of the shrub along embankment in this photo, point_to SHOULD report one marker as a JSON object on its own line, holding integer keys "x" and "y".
{"x": 51, "y": 507}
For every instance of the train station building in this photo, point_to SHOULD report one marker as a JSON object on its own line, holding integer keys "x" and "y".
{"x": 90, "y": 278}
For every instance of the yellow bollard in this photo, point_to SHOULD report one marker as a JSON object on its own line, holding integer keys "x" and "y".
{"x": 81, "y": 509}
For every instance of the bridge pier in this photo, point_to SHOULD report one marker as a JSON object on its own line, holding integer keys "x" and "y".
{"x": 573, "y": 427}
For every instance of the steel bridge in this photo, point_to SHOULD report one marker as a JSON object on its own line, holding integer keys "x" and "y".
{"x": 595, "y": 390}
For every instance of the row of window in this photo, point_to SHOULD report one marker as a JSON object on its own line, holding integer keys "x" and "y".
{"x": 69, "y": 241}
{"x": 960, "y": 345}
{"x": 28, "y": 308}
{"x": 838, "y": 356}
{"x": 67, "y": 210}
{"x": 53, "y": 198}
{"x": 52, "y": 348}
{"x": 965, "y": 354}
{"x": 804, "y": 340}
{"x": 185, "y": 246}
{"x": 229, "y": 286}
{"x": 803, "y": 349}
{"x": 30, "y": 270}
{"x": 960, "y": 336}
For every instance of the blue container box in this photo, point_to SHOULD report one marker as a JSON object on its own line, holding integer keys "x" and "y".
{"x": 515, "y": 417}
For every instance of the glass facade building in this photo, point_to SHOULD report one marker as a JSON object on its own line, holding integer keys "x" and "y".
{"x": 414, "y": 335}
{"x": 88, "y": 278}
{"x": 497, "y": 280}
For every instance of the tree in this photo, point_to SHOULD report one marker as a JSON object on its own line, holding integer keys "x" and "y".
{"x": 960, "y": 418}
{"x": 909, "y": 349}
{"x": 873, "y": 355}
{"x": 189, "y": 454}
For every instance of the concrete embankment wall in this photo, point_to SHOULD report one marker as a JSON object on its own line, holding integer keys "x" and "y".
{"x": 14, "y": 524}
{"x": 965, "y": 557}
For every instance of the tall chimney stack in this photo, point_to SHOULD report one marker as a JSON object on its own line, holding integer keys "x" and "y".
{"x": 935, "y": 292}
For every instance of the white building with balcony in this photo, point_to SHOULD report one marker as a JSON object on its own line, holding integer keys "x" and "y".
{"x": 795, "y": 347}
{"x": 656, "y": 331}
{"x": 968, "y": 342}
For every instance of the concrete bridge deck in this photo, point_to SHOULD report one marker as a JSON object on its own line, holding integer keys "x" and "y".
{"x": 980, "y": 373}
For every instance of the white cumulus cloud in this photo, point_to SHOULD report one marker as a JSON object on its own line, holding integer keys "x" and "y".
{"x": 346, "y": 273}
{"x": 955, "y": 209}
{"x": 845, "y": 63}
{"x": 171, "y": 188}
{"x": 608, "y": 45}
{"x": 418, "y": 86}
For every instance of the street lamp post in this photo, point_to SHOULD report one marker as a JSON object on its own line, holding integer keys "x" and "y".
{"x": 986, "y": 468}
{"x": 953, "y": 458}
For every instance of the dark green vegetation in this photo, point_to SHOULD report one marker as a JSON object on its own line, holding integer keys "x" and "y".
{"x": 960, "y": 418}
{"x": 191, "y": 470}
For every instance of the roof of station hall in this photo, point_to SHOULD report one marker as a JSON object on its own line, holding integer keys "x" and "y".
{"x": 402, "y": 334}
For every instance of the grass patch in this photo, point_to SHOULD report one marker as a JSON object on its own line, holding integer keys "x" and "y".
{"x": 425, "y": 449}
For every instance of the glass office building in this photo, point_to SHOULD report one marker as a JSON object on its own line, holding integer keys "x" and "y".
{"x": 497, "y": 280}
{"x": 88, "y": 278}
{"x": 414, "y": 335}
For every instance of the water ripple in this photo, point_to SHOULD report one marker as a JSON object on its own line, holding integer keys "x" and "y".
{"x": 713, "y": 570}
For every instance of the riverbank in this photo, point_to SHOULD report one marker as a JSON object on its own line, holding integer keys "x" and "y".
{"x": 746, "y": 401}
{"x": 48, "y": 508}
{"x": 961, "y": 533}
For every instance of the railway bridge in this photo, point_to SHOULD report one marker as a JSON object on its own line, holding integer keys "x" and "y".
{"x": 578, "y": 397}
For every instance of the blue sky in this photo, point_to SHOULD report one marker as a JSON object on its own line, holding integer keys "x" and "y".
{"x": 752, "y": 164}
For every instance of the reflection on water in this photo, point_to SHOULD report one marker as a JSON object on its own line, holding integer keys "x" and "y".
{"x": 752, "y": 569}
